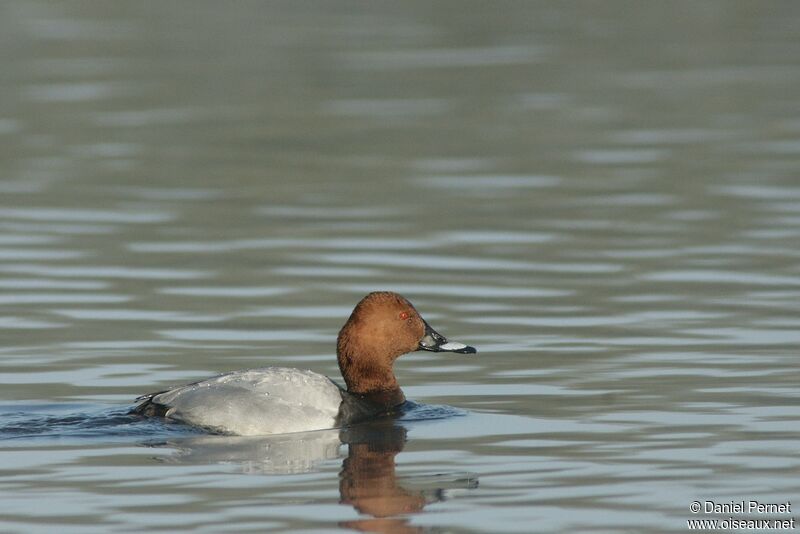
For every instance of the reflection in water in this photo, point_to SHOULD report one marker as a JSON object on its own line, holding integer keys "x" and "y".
{"x": 275, "y": 454}
{"x": 368, "y": 480}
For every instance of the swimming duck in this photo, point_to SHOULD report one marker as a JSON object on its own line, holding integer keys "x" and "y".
{"x": 276, "y": 400}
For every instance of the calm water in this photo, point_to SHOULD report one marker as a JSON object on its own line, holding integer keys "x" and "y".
{"x": 604, "y": 198}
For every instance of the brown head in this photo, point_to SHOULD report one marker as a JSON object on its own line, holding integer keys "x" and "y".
{"x": 383, "y": 327}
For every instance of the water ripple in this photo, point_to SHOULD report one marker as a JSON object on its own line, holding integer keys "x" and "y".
{"x": 86, "y": 215}
{"x": 96, "y": 271}
{"x": 436, "y": 262}
{"x": 209, "y": 334}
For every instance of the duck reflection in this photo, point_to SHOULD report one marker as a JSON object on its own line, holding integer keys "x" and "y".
{"x": 276, "y": 454}
{"x": 368, "y": 480}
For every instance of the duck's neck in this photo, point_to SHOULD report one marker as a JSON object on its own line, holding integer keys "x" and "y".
{"x": 374, "y": 383}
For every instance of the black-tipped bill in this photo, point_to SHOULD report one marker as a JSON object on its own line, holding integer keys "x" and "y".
{"x": 436, "y": 342}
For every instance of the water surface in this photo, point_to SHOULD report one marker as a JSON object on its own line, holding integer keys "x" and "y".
{"x": 603, "y": 198}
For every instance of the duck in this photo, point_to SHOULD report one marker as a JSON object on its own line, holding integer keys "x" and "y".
{"x": 278, "y": 400}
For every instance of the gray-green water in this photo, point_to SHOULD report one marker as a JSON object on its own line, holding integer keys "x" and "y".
{"x": 604, "y": 198}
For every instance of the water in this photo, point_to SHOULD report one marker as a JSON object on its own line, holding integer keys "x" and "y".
{"x": 602, "y": 198}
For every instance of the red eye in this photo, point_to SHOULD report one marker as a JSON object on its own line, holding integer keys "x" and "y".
{"x": 403, "y": 315}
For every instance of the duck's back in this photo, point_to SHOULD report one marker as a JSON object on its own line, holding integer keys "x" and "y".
{"x": 271, "y": 400}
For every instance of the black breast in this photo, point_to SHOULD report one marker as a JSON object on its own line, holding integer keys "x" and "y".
{"x": 356, "y": 407}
